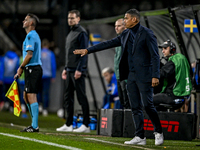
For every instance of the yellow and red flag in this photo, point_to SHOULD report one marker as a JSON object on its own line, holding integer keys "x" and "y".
{"x": 13, "y": 95}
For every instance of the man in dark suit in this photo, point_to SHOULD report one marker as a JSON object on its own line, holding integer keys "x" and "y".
{"x": 140, "y": 65}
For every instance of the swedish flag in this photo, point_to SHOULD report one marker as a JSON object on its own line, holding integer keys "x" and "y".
{"x": 95, "y": 38}
{"x": 190, "y": 25}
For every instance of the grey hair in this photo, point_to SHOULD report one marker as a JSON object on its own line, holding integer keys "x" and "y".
{"x": 107, "y": 69}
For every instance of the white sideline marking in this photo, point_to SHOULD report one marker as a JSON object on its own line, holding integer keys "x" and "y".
{"x": 117, "y": 143}
{"x": 39, "y": 141}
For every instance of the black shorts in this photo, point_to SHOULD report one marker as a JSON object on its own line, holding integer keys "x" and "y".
{"x": 33, "y": 79}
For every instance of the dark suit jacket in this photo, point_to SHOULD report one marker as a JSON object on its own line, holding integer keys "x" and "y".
{"x": 145, "y": 54}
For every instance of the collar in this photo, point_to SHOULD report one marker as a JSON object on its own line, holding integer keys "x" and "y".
{"x": 75, "y": 27}
{"x": 135, "y": 28}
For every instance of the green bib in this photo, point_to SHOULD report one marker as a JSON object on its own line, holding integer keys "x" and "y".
{"x": 183, "y": 85}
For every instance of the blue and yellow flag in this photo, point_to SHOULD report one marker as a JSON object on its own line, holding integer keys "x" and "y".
{"x": 95, "y": 38}
{"x": 190, "y": 25}
{"x": 13, "y": 95}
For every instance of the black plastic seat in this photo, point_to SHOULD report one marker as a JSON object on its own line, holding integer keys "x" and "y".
{"x": 178, "y": 103}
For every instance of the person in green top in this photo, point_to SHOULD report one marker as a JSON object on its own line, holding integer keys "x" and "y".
{"x": 121, "y": 85}
{"x": 175, "y": 75}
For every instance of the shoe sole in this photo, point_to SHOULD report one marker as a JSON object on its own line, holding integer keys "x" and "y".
{"x": 140, "y": 144}
{"x": 82, "y": 132}
{"x": 135, "y": 143}
{"x": 159, "y": 144}
{"x": 64, "y": 131}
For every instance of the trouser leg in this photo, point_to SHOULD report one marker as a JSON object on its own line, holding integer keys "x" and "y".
{"x": 147, "y": 97}
{"x": 82, "y": 98}
{"x": 125, "y": 94}
{"x": 69, "y": 99}
{"x": 136, "y": 105}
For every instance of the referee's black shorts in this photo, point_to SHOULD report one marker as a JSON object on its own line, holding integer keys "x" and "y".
{"x": 33, "y": 79}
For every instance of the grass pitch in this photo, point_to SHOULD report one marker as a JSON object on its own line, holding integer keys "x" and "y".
{"x": 49, "y": 138}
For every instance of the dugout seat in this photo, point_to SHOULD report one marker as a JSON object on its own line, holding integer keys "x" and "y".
{"x": 177, "y": 103}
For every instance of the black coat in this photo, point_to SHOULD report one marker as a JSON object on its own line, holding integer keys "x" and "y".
{"x": 145, "y": 54}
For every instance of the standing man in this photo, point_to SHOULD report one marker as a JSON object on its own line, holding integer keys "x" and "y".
{"x": 31, "y": 66}
{"x": 121, "y": 85}
{"x": 49, "y": 74}
{"x": 74, "y": 73}
{"x": 139, "y": 64}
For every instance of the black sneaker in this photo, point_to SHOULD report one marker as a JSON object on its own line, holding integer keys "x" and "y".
{"x": 30, "y": 129}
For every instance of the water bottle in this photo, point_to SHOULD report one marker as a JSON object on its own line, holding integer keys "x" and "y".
{"x": 79, "y": 121}
{"x": 93, "y": 123}
{"x": 74, "y": 121}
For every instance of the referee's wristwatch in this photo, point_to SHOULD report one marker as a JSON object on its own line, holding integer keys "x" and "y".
{"x": 22, "y": 67}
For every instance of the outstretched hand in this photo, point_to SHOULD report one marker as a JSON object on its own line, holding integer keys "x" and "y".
{"x": 83, "y": 52}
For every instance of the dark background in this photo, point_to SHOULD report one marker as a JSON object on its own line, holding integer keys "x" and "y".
{"x": 53, "y": 16}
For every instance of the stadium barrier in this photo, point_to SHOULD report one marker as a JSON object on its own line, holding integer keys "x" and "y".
{"x": 119, "y": 123}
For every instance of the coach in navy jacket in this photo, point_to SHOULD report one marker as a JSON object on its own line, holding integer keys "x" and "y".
{"x": 140, "y": 65}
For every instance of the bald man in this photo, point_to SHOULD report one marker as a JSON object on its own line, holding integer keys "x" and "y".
{"x": 121, "y": 85}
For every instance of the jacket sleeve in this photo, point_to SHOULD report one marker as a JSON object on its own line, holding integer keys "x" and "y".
{"x": 83, "y": 40}
{"x": 153, "y": 49}
{"x": 105, "y": 45}
{"x": 167, "y": 70}
{"x": 53, "y": 64}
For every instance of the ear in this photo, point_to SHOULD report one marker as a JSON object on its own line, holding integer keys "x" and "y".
{"x": 134, "y": 19}
{"x": 31, "y": 23}
{"x": 79, "y": 19}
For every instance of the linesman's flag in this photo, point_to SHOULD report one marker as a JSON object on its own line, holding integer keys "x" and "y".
{"x": 13, "y": 95}
{"x": 190, "y": 25}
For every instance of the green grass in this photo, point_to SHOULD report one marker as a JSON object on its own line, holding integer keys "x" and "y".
{"x": 48, "y": 133}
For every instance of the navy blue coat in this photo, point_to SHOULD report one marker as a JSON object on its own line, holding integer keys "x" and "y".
{"x": 146, "y": 59}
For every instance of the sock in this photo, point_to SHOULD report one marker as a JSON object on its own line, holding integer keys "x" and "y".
{"x": 35, "y": 113}
{"x": 29, "y": 108}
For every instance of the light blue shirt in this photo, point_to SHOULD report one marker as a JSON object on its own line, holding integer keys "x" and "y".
{"x": 32, "y": 42}
{"x": 48, "y": 63}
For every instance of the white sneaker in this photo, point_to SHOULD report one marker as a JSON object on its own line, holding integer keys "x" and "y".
{"x": 65, "y": 128}
{"x": 11, "y": 109}
{"x": 6, "y": 105}
{"x": 40, "y": 108}
{"x": 45, "y": 113}
{"x": 23, "y": 107}
{"x": 136, "y": 141}
{"x": 159, "y": 138}
{"x": 82, "y": 128}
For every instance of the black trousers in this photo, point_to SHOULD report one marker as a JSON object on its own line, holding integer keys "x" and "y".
{"x": 141, "y": 95}
{"x": 78, "y": 86}
{"x": 123, "y": 95}
{"x": 167, "y": 98}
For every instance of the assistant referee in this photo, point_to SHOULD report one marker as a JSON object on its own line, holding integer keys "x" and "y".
{"x": 31, "y": 66}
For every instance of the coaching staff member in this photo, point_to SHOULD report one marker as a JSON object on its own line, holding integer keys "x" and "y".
{"x": 74, "y": 73}
{"x": 140, "y": 65}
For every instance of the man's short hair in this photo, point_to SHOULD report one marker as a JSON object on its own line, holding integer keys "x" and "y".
{"x": 45, "y": 43}
{"x": 78, "y": 14}
{"x": 107, "y": 69}
{"x": 35, "y": 18}
{"x": 134, "y": 13}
